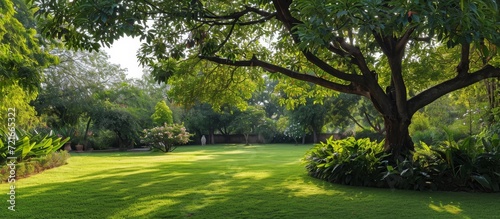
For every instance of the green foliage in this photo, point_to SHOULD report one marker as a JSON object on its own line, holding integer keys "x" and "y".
{"x": 199, "y": 81}
{"x": 104, "y": 139}
{"x": 348, "y": 161}
{"x": 430, "y": 136}
{"x": 162, "y": 114}
{"x": 469, "y": 165}
{"x": 410, "y": 51}
{"x": 372, "y": 135}
{"x": 35, "y": 165}
{"x": 295, "y": 131}
{"x": 268, "y": 130}
{"x": 22, "y": 59}
{"x": 120, "y": 121}
{"x": 248, "y": 121}
{"x": 73, "y": 88}
{"x": 14, "y": 97}
{"x": 419, "y": 122}
{"x": 165, "y": 138}
{"x": 28, "y": 145}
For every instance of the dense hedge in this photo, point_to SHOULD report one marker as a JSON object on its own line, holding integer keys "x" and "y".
{"x": 470, "y": 165}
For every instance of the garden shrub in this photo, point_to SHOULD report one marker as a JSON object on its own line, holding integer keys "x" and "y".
{"x": 103, "y": 139}
{"x": 35, "y": 165}
{"x": 419, "y": 122}
{"x": 29, "y": 145}
{"x": 472, "y": 164}
{"x": 428, "y": 136}
{"x": 165, "y": 138}
{"x": 348, "y": 161}
{"x": 20, "y": 169}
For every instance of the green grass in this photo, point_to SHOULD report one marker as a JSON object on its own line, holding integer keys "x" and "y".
{"x": 224, "y": 181}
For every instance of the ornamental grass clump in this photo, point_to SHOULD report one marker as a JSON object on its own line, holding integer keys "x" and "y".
{"x": 165, "y": 138}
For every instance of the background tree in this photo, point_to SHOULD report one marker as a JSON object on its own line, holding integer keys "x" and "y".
{"x": 162, "y": 114}
{"x": 368, "y": 48}
{"x": 121, "y": 122}
{"x": 311, "y": 117}
{"x": 79, "y": 94}
{"x": 22, "y": 60}
{"x": 295, "y": 131}
{"x": 248, "y": 121}
{"x": 202, "y": 119}
{"x": 69, "y": 89}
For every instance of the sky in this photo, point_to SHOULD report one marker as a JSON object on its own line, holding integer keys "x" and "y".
{"x": 123, "y": 52}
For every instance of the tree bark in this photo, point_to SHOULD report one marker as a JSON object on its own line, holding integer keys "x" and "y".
{"x": 246, "y": 138}
{"x": 315, "y": 135}
{"x": 397, "y": 138}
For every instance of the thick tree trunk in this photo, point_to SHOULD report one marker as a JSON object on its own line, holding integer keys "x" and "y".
{"x": 397, "y": 138}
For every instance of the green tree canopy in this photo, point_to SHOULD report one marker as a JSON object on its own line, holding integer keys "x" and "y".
{"x": 162, "y": 114}
{"x": 248, "y": 121}
{"x": 377, "y": 49}
{"x": 22, "y": 59}
{"x": 71, "y": 88}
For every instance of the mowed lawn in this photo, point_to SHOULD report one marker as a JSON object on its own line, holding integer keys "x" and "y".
{"x": 222, "y": 181}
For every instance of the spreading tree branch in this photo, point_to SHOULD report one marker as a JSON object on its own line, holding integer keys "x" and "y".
{"x": 433, "y": 93}
{"x": 284, "y": 15}
{"x": 254, "y": 62}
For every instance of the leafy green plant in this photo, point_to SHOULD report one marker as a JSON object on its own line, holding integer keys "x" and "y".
{"x": 35, "y": 165}
{"x": 30, "y": 145}
{"x": 166, "y": 137}
{"x": 472, "y": 164}
{"x": 348, "y": 161}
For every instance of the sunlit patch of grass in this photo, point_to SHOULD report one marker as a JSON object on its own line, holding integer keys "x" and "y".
{"x": 449, "y": 208}
{"x": 300, "y": 188}
{"x": 224, "y": 181}
{"x": 252, "y": 175}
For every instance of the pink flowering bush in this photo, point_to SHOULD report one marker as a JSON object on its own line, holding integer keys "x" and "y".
{"x": 166, "y": 137}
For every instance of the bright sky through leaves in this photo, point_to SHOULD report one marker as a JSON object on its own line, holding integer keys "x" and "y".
{"x": 123, "y": 52}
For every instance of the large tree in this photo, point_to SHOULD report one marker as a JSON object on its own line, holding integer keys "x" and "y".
{"x": 377, "y": 49}
{"x": 69, "y": 89}
{"x": 22, "y": 58}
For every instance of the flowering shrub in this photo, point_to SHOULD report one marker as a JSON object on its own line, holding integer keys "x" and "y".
{"x": 165, "y": 137}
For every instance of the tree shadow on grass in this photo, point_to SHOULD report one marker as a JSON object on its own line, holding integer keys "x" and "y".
{"x": 233, "y": 184}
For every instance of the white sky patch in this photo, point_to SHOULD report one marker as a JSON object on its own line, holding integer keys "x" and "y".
{"x": 123, "y": 52}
